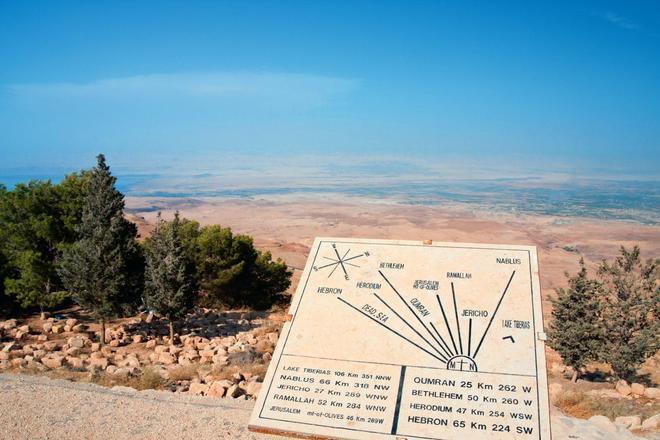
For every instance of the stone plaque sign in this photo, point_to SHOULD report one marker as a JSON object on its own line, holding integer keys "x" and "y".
{"x": 410, "y": 340}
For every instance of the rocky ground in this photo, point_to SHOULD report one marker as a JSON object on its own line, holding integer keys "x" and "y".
{"x": 218, "y": 355}
{"x": 223, "y": 357}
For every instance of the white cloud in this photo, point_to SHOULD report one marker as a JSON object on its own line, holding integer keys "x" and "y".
{"x": 286, "y": 88}
{"x": 619, "y": 21}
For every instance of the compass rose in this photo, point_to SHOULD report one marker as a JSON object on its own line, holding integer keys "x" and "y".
{"x": 341, "y": 261}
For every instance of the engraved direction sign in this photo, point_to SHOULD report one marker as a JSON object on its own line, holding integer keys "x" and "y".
{"x": 408, "y": 340}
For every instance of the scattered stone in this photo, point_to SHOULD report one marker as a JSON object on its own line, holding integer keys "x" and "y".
{"x": 623, "y": 388}
{"x": 42, "y": 338}
{"x": 652, "y": 423}
{"x": 198, "y": 388}
{"x": 234, "y": 391}
{"x": 4, "y": 356}
{"x": 137, "y": 339}
{"x": 637, "y": 389}
{"x": 52, "y": 361}
{"x": 166, "y": 359}
{"x": 252, "y": 388}
{"x": 8, "y": 346}
{"x": 149, "y": 318}
{"x": 96, "y": 346}
{"x": 76, "y": 342}
{"x": 47, "y": 327}
{"x": 74, "y": 362}
{"x": 79, "y": 328}
{"x": 71, "y": 322}
{"x": 652, "y": 393}
{"x": 630, "y": 422}
{"x": 151, "y": 344}
{"x": 217, "y": 389}
{"x": 100, "y": 362}
{"x": 57, "y": 329}
{"x": 25, "y": 328}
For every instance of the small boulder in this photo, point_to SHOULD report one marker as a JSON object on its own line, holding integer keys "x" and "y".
{"x": 252, "y": 388}
{"x": 47, "y": 327}
{"x": 57, "y": 329}
{"x": 198, "y": 388}
{"x": 623, "y": 388}
{"x": 74, "y": 362}
{"x": 137, "y": 339}
{"x": 151, "y": 344}
{"x": 637, "y": 389}
{"x": 76, "y": 342}
{"x": 652, "y": 393}
{"x": 71, "y": 322}
{"x": 25, "y": 328}
{"x": 652, "y": 423}
{"x": 217, "y": 389}
{"x": 234, "y": 391}
{"x": 79, "y": 328}
{"x": 52, "y": 361}
{"x": 166, "y": 359}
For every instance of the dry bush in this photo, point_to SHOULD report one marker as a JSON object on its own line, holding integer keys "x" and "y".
{"x": 257, "y": 369}
{"x": 184, "y": 372}
{"x": 148, "y": 379}
{"x": 583, "y": 406}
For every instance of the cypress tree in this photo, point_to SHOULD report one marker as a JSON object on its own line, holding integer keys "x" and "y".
{"x": 631, "y": 309}
{"x": 104, "y": 269}
{"x": 575, "y": 332}
{"x": 169, "y": 288}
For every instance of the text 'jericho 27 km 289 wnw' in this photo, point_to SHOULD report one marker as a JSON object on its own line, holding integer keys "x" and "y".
{"x": 411, "y": 340}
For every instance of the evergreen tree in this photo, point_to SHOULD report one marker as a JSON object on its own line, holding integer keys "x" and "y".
{"x": 631, "y": 321}
{"x": 104, "y": 268}
{"x": 32, "y": 235}
{"x": 169, "y": 288}
{"x": 575, "y": 331}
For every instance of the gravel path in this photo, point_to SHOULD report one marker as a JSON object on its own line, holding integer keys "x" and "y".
{"x": 34, "y": 407}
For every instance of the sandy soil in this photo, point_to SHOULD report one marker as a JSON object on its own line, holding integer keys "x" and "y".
{"x": 288, "y": 227}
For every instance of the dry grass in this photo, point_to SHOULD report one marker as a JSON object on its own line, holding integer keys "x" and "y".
{"x": 583, "y": 406}
{"x": 147, "y": 379}
{"x": 184, "y": 372}
{"x": 220, "y": 373}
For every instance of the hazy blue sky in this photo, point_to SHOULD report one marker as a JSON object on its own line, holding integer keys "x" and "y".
{"x": 554, "y": 82}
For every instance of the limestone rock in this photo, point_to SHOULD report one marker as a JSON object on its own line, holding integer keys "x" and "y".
{"x": 137, "y": 339}
{"x": 57, "y": 329}
{"x": 79, "y": 328}
{"x": 652, "y": 423}
{"x": 652, "y": 393}
{"x": 52, "y": 361}
{"x": 630, "y": 422}
{"x": 623, "y": 388}
{"x": 71, "y": 322}
{"x": 252, "y": 388}
{"x": 151, "y": 344}
{"x": 198, "y": 388}
{"x": 234, "y": 391}
{"x": 76, "y": 342}
{"x": 217, "y": 389}
{"x": 47, "y": 327}
{"x": 74, "y": 362}
{"x": 637, "y": 389}
{"x": 166, "y": 359}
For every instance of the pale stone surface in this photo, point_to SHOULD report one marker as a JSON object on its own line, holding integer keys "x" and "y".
{"x": 637, "y": 389}
{"x": 630, "y": 422}
{"x": 376, "y": 322}
{"x": 603, "y": 423}
{"x": 652, "y": 423}
{"x": 652, "y": 393}
{"x": 623, "y": 388}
